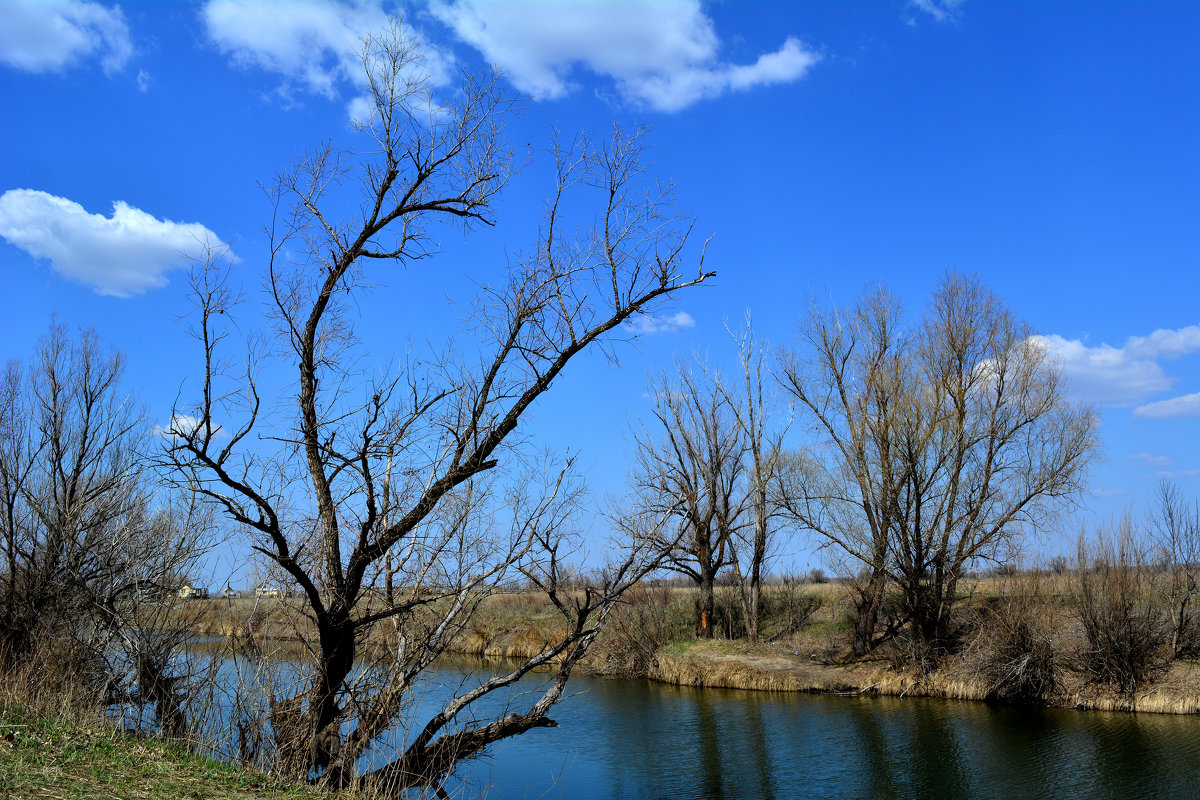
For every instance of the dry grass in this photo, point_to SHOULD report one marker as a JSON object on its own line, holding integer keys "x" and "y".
{"x": 814, "y": 658}
{"x": 726, "y": 665}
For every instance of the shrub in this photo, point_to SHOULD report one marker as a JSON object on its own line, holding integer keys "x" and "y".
{"x": 1123, "y": 621}
{"x": 789, "y": 608}
{"x": 785, "y": 609}
{"x": 647, "y": 620}
{"x": 1014, "y": 651}
{"x": 729, "y": 618}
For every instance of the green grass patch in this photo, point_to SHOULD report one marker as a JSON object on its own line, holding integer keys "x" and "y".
{"x": 48, "y": 757}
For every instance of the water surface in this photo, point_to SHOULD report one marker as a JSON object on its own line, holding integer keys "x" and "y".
{"x": 636, "y": 739}
{"x": 644, "y": 741}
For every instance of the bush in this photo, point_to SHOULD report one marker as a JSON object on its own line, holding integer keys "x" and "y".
{"x": 785, "y": 609}
{"x": 788, "y": 608}
{"x": 729, "y": 619}
{"x": 1014, "y": 652}
{"x": 1123, "y": 621}
{"x": 647, "y": 620}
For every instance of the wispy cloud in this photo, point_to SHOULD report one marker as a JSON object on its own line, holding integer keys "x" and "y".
{"x": 1149, "y": 460}
{"x": 1171, "y": 474}
{"x": 121, "y": 255}
{"x": 940, "y": 10}
{"x": 182, "y": 425}
{"x": 311, "y": 44}
{"x": 1122, "y": 376}
{"x": 52, "y": 35}
{"x": 1185, "y": 406}
{"x": 663, "y": 55}
{"x": 645, "y": 324}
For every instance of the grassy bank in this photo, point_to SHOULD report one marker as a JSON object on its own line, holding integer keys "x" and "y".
{"x": 57, "y": 756}
{"x": 803, "y": 648}
{"x": 766, "y": 668}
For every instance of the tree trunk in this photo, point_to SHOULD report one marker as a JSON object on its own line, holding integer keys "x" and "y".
{"x": 867, "y": 605}
{"x": 930, "y": 603}
{"x": 755, "y": 609}
{"x": 756, "y": 562}
{"x": 704, "y": 607}
{"x": 311, "y": 738}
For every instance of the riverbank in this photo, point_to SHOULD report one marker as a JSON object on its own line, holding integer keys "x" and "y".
{"x": 56, "y": 756}
{"x": 728, "y": 666}
{"x": 814, "y": 658}
{"x": 803, "y": 649}
{"x": 720, "y": 664}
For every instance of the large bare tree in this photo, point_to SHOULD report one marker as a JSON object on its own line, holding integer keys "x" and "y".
{"x": 86, "y": 534}
{"x": 765, "y": 461}
{"x": 414, "y": 487}
{"x": 849, "y": 375}
{"x": 942, "y": 441}
{"x": 690, "y": 473}
{"x": 1175, "y": 524}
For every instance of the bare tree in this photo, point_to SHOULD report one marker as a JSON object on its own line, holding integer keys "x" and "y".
{"x": 1120, "y": 609}
{"x": 68, "y": 467}
{"x": 1176, "y": 526}
{"x": 850, "y": 378}
{"x": 87, "y": 536}
{"x": 997, "y": 446}
{"x": 413, "y": 486}
{"x": 765, "y": 459}
{"x": 690, "y": 471}
{"x": 951, "y": 436}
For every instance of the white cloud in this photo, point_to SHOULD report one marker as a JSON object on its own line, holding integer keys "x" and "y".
{"x": 1178, "y": 473}
{"x": 360, "y": 110}
{"x": 182, "y": 425}
{"x": 1121, "y": 376}
{"x": 940, "y": 10}
{"x": 312, "y": 44}
{"x": 1165, "y": 343}
{"x": 51, "y": 35}
{"x": 1183, "y": 407}
{"x": 144, "y": 81}
{"x": 645, "y": 324}
{"x": 660, "y": 54}
{"x": 121, "y": 255}
{"x": 1149, "y": 460}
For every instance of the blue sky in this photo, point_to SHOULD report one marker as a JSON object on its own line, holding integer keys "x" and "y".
{"x": 1052, "y": 148}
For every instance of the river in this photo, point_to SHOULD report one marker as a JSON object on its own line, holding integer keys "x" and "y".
{"x": 642, "y": 740}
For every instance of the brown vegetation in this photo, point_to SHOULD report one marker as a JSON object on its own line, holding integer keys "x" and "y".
{"x": 1022, "y": 642}
{"x": 934, "y": 443}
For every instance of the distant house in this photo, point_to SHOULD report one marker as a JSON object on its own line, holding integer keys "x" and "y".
{"x": 189, "y": 592}
{"x": 228, "y": 594}
{"x": 262, "y": 591}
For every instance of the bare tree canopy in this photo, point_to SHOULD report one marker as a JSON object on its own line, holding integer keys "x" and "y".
{"x": 757, "y": 420}
{"x": 935, "y": 443}
{"x": 689, "y": 471}
{"x": 413, "y": 487}
{"x": 1175, "y": 525}
{"x": 85, "y": 532}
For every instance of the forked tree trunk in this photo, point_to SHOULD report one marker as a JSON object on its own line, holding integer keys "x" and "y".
{"x": 308, "y": 738}
{"x": 866, "y": 618}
